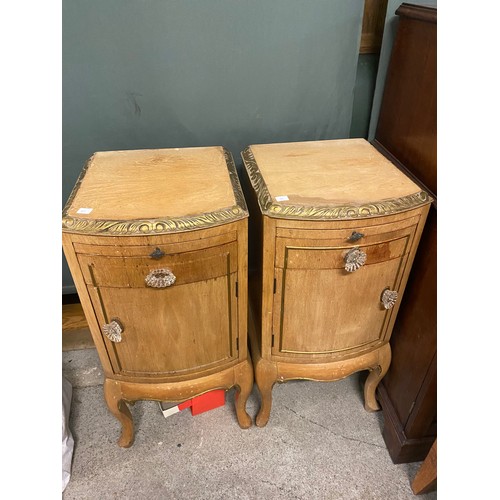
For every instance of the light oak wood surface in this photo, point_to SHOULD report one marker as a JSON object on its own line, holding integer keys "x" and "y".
{"x": 75, "y": 329}
{"x": 143, "y": 184}
{"x": 73, "y": 317}
{"x": 315, "y": 319}
{"x": 329, "y": 173}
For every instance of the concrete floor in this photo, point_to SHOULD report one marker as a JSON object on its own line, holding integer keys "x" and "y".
{"x": 319, "y": 443}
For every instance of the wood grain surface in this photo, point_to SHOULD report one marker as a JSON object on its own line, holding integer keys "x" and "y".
{"x": 145, "y": 184}
{"x": 323, "y": 173}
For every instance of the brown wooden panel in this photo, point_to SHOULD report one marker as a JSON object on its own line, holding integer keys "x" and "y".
{"x": 373, "y": 26}
{"x": 132, "y": 271}
{"x": 174, "y": 330}
{"x": 144, "y": 249}
{"x": 338, "y": 310}
{"x": 73, "y": 317}
{"x": 310, "y": 257}
{"x": 424, "y": 421}
{"x": 414, "y": 335}
{"x": 372, "y": 233}
{"x": 401, "y": 448}
{"x": 407, "y": 125}
{"x": 338, "y": 238}
{"x": 407, "y": 135}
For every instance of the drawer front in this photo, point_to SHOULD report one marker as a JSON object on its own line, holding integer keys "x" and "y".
{"x": 187, "y": 326}
{"x": 150, "y": 247}
{"x": 297, "y": 257}
{"x": 343, "y": 238}
{"x": 132, "y": 271}
{"x": 321, "y": 309}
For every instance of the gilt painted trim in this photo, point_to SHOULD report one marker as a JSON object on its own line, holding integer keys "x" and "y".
{"x": 160, "y": 225}
{"x": 327, "y": 212}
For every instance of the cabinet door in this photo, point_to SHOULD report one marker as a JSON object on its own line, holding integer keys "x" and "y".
{"x": 188, "y": 326}
{"x": 320, "y": 308}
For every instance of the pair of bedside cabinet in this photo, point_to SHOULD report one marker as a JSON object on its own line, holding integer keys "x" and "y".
{"x": 157, "y": 244}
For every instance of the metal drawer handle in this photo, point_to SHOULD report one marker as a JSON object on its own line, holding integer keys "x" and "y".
{"x": 355, "y": 236}
{"x": 113, "y": 330}
{"x": 157, "y": 254}
{"x": 160, "y": 278}
{"x": 389, "y": 298}
{"x": 354, "y": 259}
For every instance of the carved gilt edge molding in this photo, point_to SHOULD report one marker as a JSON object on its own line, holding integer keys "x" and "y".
{"x": 258, "y": 183}
{"x": 282, "y": 211}
{"x": 158, "y": 226}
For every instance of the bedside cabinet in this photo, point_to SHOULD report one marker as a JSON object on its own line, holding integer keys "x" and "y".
{"x": 338, "y": 226}
{"x": 156, "y": 241}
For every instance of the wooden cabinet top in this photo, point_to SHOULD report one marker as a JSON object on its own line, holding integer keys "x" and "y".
{"x": 334, "y": 179}
{"x": 155, "y": 191}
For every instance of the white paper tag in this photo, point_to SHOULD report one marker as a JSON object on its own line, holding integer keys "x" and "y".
{"x": 84, "y": 210}
{"x": 169, "y": 411}
{"x": 282, "y": 198}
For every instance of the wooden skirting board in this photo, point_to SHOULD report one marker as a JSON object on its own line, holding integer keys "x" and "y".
{"x": 75, "y": 330}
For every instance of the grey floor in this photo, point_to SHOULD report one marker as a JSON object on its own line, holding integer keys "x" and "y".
{"x": 319, "y": 443}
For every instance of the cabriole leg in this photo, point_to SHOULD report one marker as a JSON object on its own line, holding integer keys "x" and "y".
{"x": 244, "y": 384}
{"x": 377, "y": 372}
{"x": 265, "y": 376}
{"x": 118, "y": 407}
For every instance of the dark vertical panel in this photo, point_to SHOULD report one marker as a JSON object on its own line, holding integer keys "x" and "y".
{"x": 406, "y": 133}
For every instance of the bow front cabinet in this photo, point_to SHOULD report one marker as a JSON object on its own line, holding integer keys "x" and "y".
{"x": 156, "y": 241}
{"x": 337, "y": 227}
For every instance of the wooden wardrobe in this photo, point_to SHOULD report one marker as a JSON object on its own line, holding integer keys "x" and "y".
{"x": 407, "y": 134}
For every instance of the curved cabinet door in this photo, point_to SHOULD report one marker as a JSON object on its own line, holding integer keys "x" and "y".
{"x": 182, "y": 327}
{"x": 320, "y": 309}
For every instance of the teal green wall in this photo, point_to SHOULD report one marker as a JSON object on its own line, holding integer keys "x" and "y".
{"x": 177, "y": 73}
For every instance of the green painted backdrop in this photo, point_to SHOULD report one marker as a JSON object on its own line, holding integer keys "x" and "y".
{"x": 177, "y": 73}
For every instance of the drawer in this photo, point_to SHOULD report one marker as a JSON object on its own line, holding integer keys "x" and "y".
{"x": 334, "y": 258}
{"x": 326, "y": 248}
{"x": 148, "y": 245}
{"x": 128, "y": 270}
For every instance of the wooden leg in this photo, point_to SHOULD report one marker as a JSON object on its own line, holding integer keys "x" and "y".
{"x": 244, "y": 384}
{"x": 377, "y": 372}
{"x": 265, "y": 376}
{"x": 118, "y": 407}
